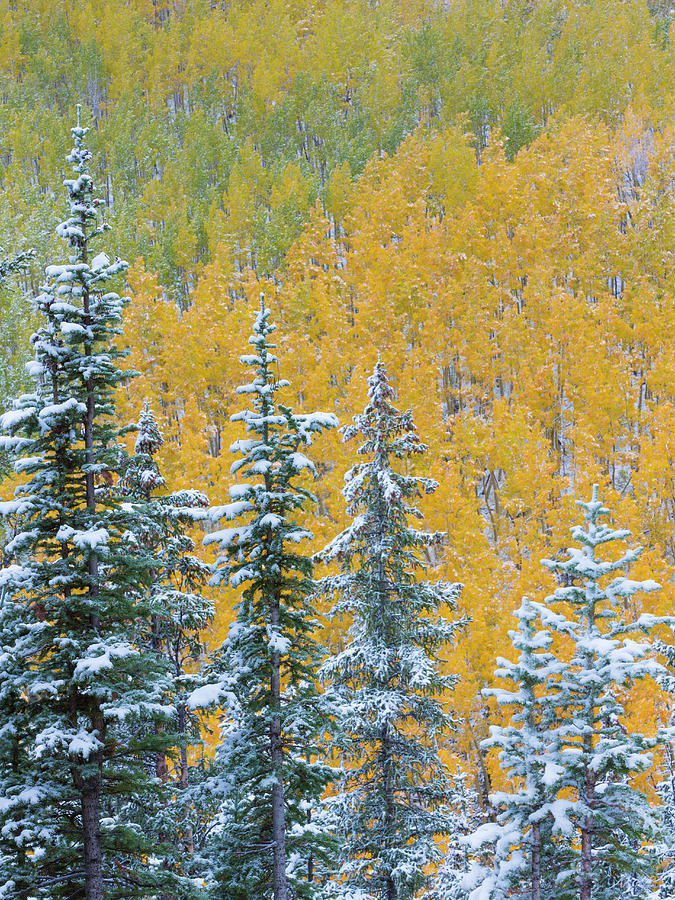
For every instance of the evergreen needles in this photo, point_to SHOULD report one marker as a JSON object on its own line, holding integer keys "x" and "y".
{"x": 82, "y": 704}
{"x": 387, "y": 684}
{"x": 268, "y": 775}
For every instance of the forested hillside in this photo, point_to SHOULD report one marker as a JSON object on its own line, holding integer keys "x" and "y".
{"x": 470, "y": 203}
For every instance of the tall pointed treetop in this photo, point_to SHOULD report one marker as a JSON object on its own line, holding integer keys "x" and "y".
{"x": 271, "y": 782}
{"x": 89, "y": 706}
{"x": 388, "y": 688}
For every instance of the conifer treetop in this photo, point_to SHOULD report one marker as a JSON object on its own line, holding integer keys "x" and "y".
{"x": 149, "y": 437}
{"x": 270, "y": 456}
{"x": 387, "y": 432}
{"x": 582, "y": 562}
{"x": 381, "y": 498}
{"x": 386, "y": 682}
{"x": 84, "y": 225}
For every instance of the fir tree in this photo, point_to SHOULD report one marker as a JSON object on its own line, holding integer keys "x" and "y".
{"x": 612, "y": 817}
{"x": 526, "y": 848}
{"x": 80, "y": 705}
{"x": 12, "y": 264}
{"x": 572, "y": 758}
{"x": 266, "y": 843}
{"x": 180, "y": 614}
{"x": 390, "y": 805}
{"x": 666, "y": 784}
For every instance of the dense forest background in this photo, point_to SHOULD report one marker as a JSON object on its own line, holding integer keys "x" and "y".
{"x": 478, "y": 192}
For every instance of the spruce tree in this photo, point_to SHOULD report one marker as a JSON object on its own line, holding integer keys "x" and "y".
{"x": 573, "y": 773}
{"x": 386, "y": 682}
{"x": 666, "y": 784}
{"x": 269, "y": 779}
{"x": 615, "y": 824}
{"x": 527, "y": 849}
{"x": 81, "y": 706}
{"x": 179, "y": 617}
{"x": 10, "y": 265}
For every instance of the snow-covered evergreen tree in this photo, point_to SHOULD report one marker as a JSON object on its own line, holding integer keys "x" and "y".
{"x": 610, "y": 816}
{"x": 266, "y": 843}
{"x": 81, "y": 706}
{"x": 387, "y": 681}
{"x": 12, "y": 264}
{"x": 465, "y": 816}
{"x": 665, "y": 847}
{"x": 525, "y": 850}
{"x": 180, "y": 614}
{"x": 575, "y": 825}
{"x": 666, "y": 785}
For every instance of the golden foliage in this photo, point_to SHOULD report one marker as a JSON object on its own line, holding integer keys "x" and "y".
{"x": 520, "y": 308}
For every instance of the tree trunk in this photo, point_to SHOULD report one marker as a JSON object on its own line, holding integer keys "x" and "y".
{"x": 388, "y": 790}
{"x": 279, "y": 884}
{"x": 91, "y": 828}
{"x": 90, "y": 788}
{"x": 188, "y": 837}
{"x": 586, "y": 870}
{"x": 536, "y": 861}
{"x": 586, "y": 881}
